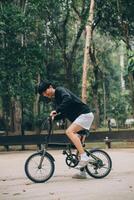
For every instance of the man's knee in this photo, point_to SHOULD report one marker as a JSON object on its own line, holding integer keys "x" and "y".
{"x": 69, "y": 131}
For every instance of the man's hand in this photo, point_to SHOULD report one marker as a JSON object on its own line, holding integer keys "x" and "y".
{"x": 53, "y": 114}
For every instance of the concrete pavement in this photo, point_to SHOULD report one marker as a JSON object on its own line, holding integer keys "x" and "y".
{"x": 118, "y": 185}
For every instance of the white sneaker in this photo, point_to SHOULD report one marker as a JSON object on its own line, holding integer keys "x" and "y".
{"x": 82, "y": 163}
{"x": 81, "y": 175}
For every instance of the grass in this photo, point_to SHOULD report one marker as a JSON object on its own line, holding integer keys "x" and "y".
{"x": 114, "y": 145}
{"x": 113, "y": 129}
{"x": 90, "y": 145}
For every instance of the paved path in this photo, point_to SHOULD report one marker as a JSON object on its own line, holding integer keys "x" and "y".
{"x": 119, "y": 185}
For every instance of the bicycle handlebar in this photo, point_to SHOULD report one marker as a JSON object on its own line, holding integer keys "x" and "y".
{"x": 50, "y": 121}
{"x": 50, "y": 118}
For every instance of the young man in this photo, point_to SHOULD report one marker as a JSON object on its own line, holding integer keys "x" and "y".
{"x": 72, "y": 108}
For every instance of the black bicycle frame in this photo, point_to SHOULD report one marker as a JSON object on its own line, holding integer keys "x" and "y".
{"x": 50, "y": 125}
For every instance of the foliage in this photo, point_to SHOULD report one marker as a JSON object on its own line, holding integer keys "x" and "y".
{"x": 130, "y": 67}
{"x": 46, "y": 39}
{"x": 115, "y": 14}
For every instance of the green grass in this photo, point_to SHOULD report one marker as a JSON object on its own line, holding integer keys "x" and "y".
{"x": 114, "y": 145}
{"x": 90, "y": 145}
{"x": 113, "y": 129}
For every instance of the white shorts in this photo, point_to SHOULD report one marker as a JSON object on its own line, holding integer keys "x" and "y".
{"x": 85, "y": 120}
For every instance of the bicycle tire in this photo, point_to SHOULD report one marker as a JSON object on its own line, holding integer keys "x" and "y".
{"x": 43, "y": 177}
{"x": 94, "y": 168}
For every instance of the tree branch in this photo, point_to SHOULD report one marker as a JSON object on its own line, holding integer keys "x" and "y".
{"x": 81, "y": 28}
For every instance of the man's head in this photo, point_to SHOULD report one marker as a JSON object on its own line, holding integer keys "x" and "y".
{"x": 46, "y": 89}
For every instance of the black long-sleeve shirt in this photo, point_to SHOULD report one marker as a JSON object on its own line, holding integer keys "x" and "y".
{"x": 68, "y": 104}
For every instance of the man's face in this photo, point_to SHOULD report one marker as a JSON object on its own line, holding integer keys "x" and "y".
{"x": 48, "y": 92}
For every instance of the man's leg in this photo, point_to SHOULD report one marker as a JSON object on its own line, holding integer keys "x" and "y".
{"x": 71, "y": 133}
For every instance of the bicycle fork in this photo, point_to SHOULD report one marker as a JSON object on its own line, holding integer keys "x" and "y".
{"x": 43, "y": 151}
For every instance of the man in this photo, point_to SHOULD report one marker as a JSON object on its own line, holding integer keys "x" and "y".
{"x": 72, "y": 108}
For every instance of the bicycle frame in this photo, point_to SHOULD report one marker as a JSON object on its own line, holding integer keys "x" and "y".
{"x": 49, "y": 120}
{"x": 45, "y": 145}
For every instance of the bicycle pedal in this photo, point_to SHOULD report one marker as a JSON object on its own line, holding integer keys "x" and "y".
{"x": 64, "y": 152}
{"x": 84, "y": 145}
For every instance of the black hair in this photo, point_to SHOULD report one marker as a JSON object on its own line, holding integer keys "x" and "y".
{"x": 43, "y": 86}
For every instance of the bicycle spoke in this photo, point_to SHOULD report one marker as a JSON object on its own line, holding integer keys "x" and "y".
{"x": 100, "y": 164}
{"x": 36, "y": 172}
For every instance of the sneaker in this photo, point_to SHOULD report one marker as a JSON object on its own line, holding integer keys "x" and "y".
{"x": 81, "y": 175}
{"x": 82, "y": 164}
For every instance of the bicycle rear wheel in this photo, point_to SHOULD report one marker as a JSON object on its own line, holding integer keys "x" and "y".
{"x": 37, "y": 172}
{"x": 100, "y": 164}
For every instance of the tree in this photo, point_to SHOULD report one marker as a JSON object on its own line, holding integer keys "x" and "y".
{"x": 86, "y": 51}
{"x": 118, "y": 21}
{"x": 19, "y": 53}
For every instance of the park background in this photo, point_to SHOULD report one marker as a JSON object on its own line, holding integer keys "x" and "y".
{"x": 84, "y": 45}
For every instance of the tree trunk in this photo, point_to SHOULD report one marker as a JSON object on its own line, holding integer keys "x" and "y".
{"x": 104, "y": 101}
{"x": 122, "y": 65}
{"x": 86, "y": 51}
{"x": 19, "y": 113}
{"x": 97, "y": 112}
{"x": 69, "y": 81}
{"x": 131, "y": 85}
{"x": 95, "y": 79}
{"x": 17, "y": 117}
{"x": 36, "y": 103}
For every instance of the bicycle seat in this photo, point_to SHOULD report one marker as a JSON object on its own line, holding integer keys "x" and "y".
{"x": 83, "y": 133}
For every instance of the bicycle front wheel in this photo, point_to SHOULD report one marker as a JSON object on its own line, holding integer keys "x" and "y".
{"x": 39, "y": 168}
{"x": 100, "y": 164}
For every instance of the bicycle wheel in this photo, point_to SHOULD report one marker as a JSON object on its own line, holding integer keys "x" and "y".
{"x": 100, "y": 164}
{"x": 37, "y": 172}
